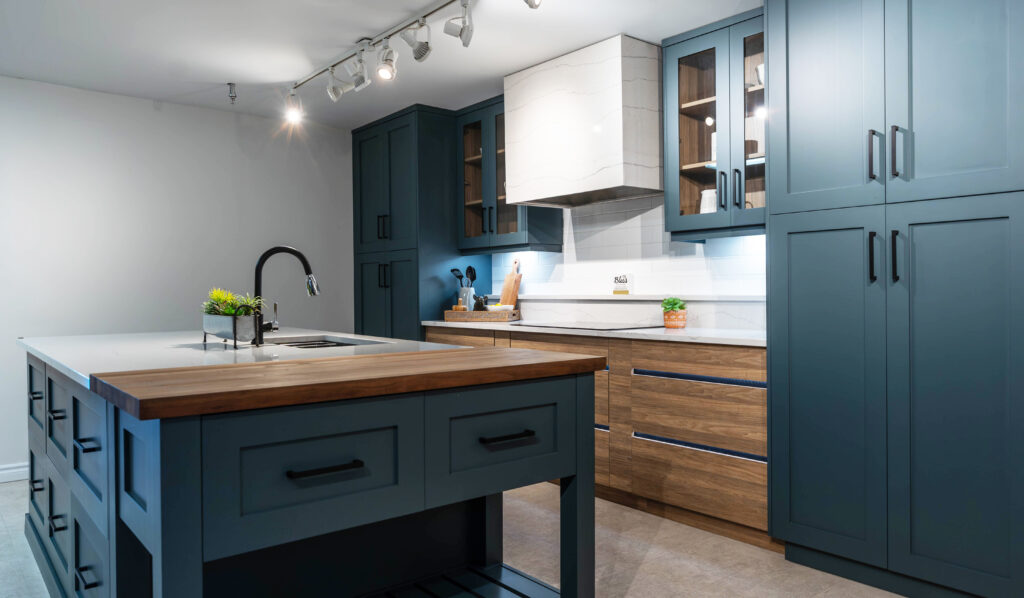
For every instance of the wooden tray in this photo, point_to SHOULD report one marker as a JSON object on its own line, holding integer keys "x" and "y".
{"x": 481, "y": 316}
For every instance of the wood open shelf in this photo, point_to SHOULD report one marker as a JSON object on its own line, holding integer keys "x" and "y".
{"x": 755, "y": 88}
{"x": 474, "y": 159}
{"x": 701, "y": 108}
{"x": 698, "y": 171}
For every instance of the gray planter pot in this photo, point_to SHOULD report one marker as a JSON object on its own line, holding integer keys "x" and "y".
{"x": 240, "y": 328}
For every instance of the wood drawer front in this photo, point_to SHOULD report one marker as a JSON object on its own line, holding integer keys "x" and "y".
{"x": 89, "y": 454}
{"x": 461, "y": 336}
{"x": 573, "y": 344}
{"x": 465, "y": 454}
{"x": 720, "y": 361}
{"x": 58, "y": 422}
{"x": 89, "y": 573}
{"x": 36, "y": 398}
{"x": 723, "y": 416}
{"x": 251, "y": 501}
{"x": 722, "y": 486}
{"x": 602, "y": 471}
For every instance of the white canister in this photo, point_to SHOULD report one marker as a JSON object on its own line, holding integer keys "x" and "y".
{"x": 708, "y": 201}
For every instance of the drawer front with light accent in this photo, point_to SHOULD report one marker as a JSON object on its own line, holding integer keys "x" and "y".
{"x": 279, "y": 475}
{"x": 486, "y": 439}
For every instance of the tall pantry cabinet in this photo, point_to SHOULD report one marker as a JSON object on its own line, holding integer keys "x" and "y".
{"x": 896, "y": 288}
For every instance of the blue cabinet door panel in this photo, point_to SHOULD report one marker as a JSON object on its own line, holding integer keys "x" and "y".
{"x": 955, "y": 382}
{"x": 399, "y": 225}
{"x": 954, "y": 81}
{"x": 402, "y": 282}
{"x": 827, "y": 385}
{"x": 826, "y": 77}
{"x": 371, "y": 297}
{"x": 370, "y": 191}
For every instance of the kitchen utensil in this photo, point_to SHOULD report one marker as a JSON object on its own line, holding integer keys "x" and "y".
{"x": 510, "y": 289}
{"x": 458, "y": 274}
{"x": 471, "y": 274}
{"x": 466, "y": 296}
{"x": 708, "y": 201}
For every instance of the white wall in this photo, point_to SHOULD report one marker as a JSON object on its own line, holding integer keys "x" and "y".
{"x": 117, "y": 214}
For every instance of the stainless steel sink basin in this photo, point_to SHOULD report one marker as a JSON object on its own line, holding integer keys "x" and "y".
{"x": 318, "y": 341}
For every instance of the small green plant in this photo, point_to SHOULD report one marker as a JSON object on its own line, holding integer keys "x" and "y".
{"x": 673, "y": 304}
{"x": 226, "y": 303}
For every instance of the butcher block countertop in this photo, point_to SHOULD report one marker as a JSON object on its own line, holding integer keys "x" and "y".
{"x": 180, "y": 392}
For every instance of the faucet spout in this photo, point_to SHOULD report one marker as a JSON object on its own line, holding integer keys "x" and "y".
{"x": 312, "y": 286}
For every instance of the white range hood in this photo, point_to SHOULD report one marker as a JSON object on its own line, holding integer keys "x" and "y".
{"x": 585, "y": 127}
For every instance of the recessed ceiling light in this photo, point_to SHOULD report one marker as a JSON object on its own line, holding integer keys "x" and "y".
{"x": 420, "y": 50}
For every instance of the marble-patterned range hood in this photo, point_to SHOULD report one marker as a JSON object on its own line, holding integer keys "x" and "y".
{"x": 585, "y": 127}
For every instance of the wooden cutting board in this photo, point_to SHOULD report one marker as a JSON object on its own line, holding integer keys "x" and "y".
{"x": 510, "y": 290}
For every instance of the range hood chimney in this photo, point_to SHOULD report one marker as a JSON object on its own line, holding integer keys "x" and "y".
{"x": 585, "y": 127}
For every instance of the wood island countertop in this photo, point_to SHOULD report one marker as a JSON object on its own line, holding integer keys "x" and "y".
{"x": 200, "y": 390}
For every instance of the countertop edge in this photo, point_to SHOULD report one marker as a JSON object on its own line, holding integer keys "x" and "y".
{"x": 704, "y": 337}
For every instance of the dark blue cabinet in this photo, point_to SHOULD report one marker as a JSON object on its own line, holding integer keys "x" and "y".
{"x": 955, "y": 388}
{"x": 384, "y": 189}
{"x": 387, "y": 287}
{"x": 486, "y": 221}
{"x": 827, "y": 381}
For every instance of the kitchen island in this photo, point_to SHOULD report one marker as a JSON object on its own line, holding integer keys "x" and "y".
{"x": 360, "y": 466}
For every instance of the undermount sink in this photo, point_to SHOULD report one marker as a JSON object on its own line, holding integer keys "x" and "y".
{"x": 318, "y": 341}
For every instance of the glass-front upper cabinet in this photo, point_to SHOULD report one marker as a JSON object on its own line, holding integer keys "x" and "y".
{"x": 714, "y": 129}
{"x": 474, "y": 213}
{"x": 507, "y": 216}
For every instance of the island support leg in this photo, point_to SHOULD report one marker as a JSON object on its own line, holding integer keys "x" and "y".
{"x": 577, "y": 507}
{"x": 178, "y": 569}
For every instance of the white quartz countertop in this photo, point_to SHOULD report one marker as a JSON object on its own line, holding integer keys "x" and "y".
{"x": 712, "y": 336}
{"x": 80, "y": 356}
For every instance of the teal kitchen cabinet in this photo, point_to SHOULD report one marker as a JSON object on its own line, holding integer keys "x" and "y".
{"x": 827, "y": 380}
{"x": 714, "y": 128}
{"x": 955, "y": 383}
{"x": 826, "y": 102}
{"x": 405, "y": 236}
{"x": 486, "y": 222}
{"x": 954, "y": 79}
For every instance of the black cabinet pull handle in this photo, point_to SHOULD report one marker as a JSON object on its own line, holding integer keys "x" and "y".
{"x": 483, "y": 220}
{"x": 319, "y": 471}
{"x": 491, "y": 219}
{"x": 387, "y": 226}
{"x": 35, "y": 395}
{"x": 892, "y": 154}
{"x": 57, "y": 414}
{"x": 380, "y": 276}
{"x": 387, "y": 276}
{"x": 36, "y": 486}
{"x": 54, "y": 526}
{"x": 895, "y": 275}
{"x": 723, "y": 191}
{"x": 87, "y": 445}
{"x": 871, "y": 256}
{"x": 871, "y": 154}
{"x": 527, "y": 433}
{"x": 80, "y": 577}
{"x": 736, "y": 177}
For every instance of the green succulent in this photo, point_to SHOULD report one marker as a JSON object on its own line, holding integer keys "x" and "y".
{"x": 226, "y": 303}
{"x": 673, "y": 304}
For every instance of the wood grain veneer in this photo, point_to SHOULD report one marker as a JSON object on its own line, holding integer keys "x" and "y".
{"x": 584, "y": 345}
{"x": 723, "y": 361}
{"x": 179, "y": 392}
{"x": 601, "y": 471}
{"x": 461, "y": 336}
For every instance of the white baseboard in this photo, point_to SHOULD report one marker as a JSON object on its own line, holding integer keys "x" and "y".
{"x": 13, "y": 472}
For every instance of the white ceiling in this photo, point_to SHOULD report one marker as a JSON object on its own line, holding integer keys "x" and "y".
{"x": 185, "y": 51}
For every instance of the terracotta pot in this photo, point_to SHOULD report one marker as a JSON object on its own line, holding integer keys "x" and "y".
{"x": 675, "y": 319}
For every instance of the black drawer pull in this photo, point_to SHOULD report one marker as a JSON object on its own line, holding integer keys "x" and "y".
{"x": 87, "y": 445}
{"x": 35, "y": 395}
{"x": 57, "y": 414}
{"x": 872, "y": 277}
{"x": 80, "y": 576}
{"x": 895, "y": 274}
{"x": 309, "y": 473}
{"x": 54, "y": 527}
{"x": 527, "y": 433}
{"x": 36, "y": 486}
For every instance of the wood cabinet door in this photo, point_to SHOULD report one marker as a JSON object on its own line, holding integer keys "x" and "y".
{"x": 827, "y": 381}
{"x": 954, "y": 79}
{"x": 955, "y": 383}
{"x": 826, "y": 94}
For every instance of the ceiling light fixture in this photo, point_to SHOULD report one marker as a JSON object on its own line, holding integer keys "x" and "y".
{"x": 336, "y": 87}
{"x": 420, "y": 50}
{"x": 357, "y": 68}
{"x": 293, "y": 108}
{"x": 461, "y": 27}
{"x": 386, "y": 61}
{"x": 532, "y": 3}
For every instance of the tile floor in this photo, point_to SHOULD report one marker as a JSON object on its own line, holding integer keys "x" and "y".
{"x": 637, "y": 554}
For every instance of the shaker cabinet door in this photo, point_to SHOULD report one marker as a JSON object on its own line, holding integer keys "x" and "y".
{"x": 370, "y": 190}
{"x": 827, "y": 382}
{"x": 402, "y": 281}
{"x": 384, "y": 173}
{"x": 954, "y": 74}
{"x": 371, "y": 297}
{"x": 955, "y": 383}
{"x": 826, "y": 98}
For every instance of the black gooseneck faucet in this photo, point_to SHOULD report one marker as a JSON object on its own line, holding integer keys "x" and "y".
{"x": 312, "y": 287}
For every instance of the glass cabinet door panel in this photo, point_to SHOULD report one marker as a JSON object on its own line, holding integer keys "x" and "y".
{"x": 474, "y": 212}
{"x": 507, "y": 215}
{"x": 698, "y": 138}
{"x": 753, "y": 121}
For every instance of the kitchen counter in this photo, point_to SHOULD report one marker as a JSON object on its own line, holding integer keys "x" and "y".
{"x": 710, "y": 336}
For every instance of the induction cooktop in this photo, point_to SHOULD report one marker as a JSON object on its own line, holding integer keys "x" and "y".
{"x": 584, "y": 325}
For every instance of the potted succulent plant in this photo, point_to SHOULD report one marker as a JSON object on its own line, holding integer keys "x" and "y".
{"x": 675, "y": 312}
{"x": 230, "y": 316}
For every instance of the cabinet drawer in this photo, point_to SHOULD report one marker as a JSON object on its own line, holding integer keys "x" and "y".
{"x": 723, "y": 416}
{"x": 280, "y": 475}
{"x": 486, "y": 439}
{"x": 572, "y": 344}
{"x": 89, "y": 572}
{"x": 57, "y": 523}
{"x": 461, "y": 336}
{"x": 602, "y": 470}
{"x": 89, "y": 463}
{"x": 722, "y": 486}
{"x": 720, "y": 361}
{"x": 58, "y": 422}
{"x": 38, "y": 487}
{"x": 36, "y": 398}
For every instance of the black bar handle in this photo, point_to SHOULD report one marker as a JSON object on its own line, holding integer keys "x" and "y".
{"x": 319, "y": 471}
{"x": 723, "y": 191}
{"x": 80, "y": 576}
{"x": 380, "y": 276}
{"x": 527, "y": 433}
{"x": 872, "y": 277}
{"x": 35, "y": 395}
{"x": 491, "y": 219}
{"x": 87, "y": 445}
{"x": 57, "y": 414}
{"x": 387, "y": 276}
{"x": 36, "y": 486}
{"x": 895, "y": 275}
{"x": 736, "y": 178}
{"x": 871, "y": 154}
{"x": 892, "y": 154}
{"x": 54, "y": 527}
{"x": 387, "y": 225}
